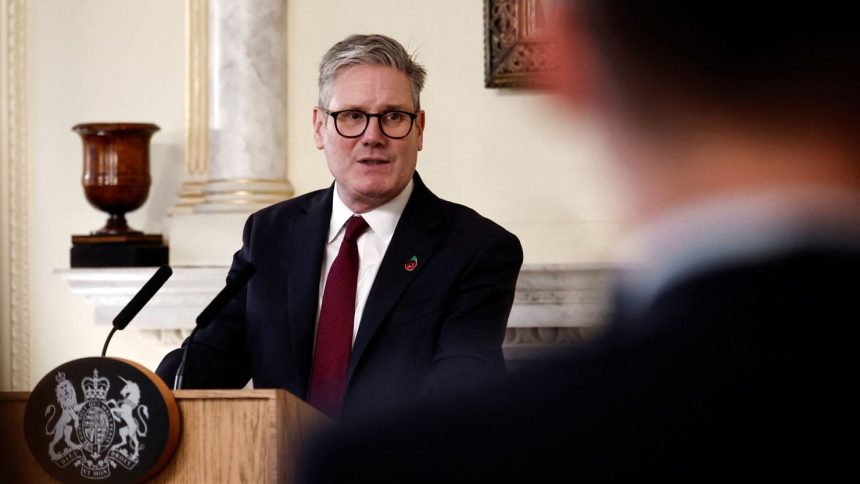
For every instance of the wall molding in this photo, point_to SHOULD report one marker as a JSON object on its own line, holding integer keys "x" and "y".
{"x": 14, "y": 162}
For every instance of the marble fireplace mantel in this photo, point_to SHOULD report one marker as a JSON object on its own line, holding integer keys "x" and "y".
{"x": 555, "y": 305}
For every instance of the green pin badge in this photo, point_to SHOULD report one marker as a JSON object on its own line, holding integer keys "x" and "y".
{"x": 412, "y": 264}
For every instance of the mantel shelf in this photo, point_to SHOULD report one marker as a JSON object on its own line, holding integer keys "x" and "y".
{"x": 553, "y": 302}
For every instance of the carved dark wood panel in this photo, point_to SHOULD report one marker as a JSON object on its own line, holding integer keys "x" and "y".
{"x": 517, "y": 51}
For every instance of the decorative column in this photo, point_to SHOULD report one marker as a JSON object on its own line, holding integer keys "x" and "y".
{"x": 247, "y": 106}
{"x": 236, "y": 159}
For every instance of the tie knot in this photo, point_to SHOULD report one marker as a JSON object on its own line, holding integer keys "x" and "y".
{"x": 355, "y": 227}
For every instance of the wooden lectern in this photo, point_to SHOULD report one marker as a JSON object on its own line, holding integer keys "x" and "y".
{"x": 227, "y": 436}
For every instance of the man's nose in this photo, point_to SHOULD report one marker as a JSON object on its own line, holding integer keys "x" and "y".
{"x": 373, "y": 134}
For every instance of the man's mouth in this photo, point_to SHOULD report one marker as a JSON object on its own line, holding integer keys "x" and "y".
{"x": 372, "y": 161}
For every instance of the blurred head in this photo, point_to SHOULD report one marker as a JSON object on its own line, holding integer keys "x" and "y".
{"x": 750, "y": 59}
{"x": 703, "y": 99}
{"x": 369, "y": 74}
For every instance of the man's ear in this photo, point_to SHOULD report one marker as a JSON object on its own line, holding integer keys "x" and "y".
{"x": 319, "y": 119}
{"x": 419, "y": 125}
{"x": 575, "y": 78}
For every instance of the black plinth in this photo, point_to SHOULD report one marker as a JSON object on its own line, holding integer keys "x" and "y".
{"x": 118, "y": 251}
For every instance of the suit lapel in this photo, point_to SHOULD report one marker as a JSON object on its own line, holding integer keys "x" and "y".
{"x": 305, "y": 249}
{"x": 416, "y": 235}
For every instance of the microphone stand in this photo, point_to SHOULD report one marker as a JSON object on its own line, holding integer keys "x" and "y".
{"x": 138, "y": 301}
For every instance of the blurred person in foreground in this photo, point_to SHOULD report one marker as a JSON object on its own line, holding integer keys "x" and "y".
{"x": 729, "y": 353}
{"x": 374, "y": 291}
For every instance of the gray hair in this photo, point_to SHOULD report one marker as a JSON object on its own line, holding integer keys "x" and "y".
{"x": 374, "y": 50}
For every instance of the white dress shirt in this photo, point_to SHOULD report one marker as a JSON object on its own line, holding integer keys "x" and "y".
{"x": 372, "y": 244}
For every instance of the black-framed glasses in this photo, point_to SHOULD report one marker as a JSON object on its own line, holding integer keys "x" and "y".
{"x": 352, "y": 123}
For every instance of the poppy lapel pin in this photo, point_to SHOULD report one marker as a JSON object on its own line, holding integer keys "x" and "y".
{"x": 412, "y": 264}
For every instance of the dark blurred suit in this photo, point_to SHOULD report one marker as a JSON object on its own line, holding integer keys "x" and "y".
{"x": 736, "y": 373}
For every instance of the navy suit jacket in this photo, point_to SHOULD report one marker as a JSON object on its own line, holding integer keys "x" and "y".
{"x": 737, "y": 374}
{"x": 437, "y": 328}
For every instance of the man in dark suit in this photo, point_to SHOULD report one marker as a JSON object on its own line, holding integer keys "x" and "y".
{"x": 374, "y": 291}
{"x": 728, "y": 356}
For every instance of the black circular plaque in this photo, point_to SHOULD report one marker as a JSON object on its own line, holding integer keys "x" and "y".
{"x": 101, "y": 420}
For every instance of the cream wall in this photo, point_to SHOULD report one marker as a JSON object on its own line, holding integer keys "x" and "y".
{"x": 507, "y": 154}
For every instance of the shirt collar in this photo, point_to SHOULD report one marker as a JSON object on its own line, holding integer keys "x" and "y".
{"x": 734, "y": 229}
{"x": 382, "y": 220}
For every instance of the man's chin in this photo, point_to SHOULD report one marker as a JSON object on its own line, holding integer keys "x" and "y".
{"x": 367, "y": 198}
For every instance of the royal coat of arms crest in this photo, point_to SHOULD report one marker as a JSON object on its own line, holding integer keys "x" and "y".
{"x": 106, "y": 432}
{"x": 85, "y": 433}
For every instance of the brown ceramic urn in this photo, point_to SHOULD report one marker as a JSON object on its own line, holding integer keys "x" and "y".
{"x": 116, "y": 170}
{"x": 116, "y": 180}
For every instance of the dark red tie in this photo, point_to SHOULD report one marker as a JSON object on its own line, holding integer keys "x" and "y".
{"x": 334, "y": 331}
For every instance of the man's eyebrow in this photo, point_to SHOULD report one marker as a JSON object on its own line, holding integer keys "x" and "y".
{"x": 394, "y": 107}
{"x": 398, "y": 107}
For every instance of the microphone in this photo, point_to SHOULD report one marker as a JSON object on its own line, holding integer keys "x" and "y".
{"x": 211, "y": 311}
{"x": 138, "y": 301}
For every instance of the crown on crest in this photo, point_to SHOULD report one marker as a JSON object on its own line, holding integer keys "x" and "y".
{"x": 60, "y": 377}
{"x": 95, "y": 387}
